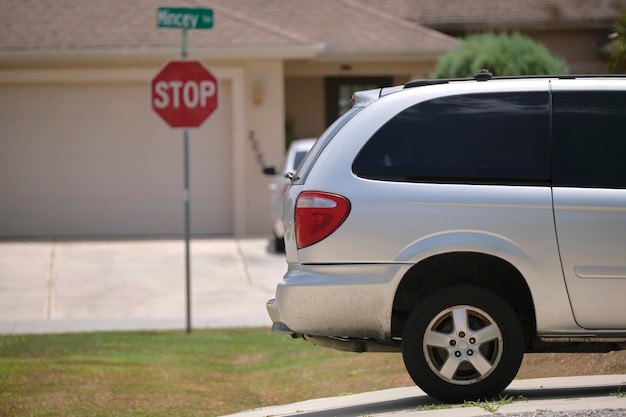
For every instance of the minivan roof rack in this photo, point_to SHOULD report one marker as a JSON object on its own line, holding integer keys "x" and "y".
{"x": 485, "y": 75}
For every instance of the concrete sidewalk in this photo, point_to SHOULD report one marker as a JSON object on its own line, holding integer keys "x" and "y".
{"x": 531, "y": 397}
{"x": 48, "y": 287}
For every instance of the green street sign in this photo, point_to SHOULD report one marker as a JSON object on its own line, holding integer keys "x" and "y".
{"x": 184, "y": 18}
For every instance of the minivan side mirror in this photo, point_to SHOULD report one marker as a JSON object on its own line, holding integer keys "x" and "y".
{"x": 269, "y": 170}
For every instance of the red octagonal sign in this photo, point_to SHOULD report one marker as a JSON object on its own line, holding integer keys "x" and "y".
{"x": 184, "y": 93}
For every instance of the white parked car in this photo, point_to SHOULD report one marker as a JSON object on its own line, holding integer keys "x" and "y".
{"x": 463, "y": 223}
{"x": 295, "y": 154}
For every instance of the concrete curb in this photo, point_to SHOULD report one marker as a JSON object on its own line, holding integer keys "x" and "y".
{"x": 530, "y": 396}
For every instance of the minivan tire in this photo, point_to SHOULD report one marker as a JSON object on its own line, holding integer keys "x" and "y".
{"x": 461, "y": 343}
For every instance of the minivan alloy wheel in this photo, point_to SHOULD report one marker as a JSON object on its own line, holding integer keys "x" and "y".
{"x": 463, "y": 345}
{"x": 462, "y": 342}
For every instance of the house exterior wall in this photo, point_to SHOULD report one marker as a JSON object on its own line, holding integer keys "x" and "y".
{"x": 267, "y": 121}
{"x": 576, "y": 47}
{"x": 305, "y": 111}
{"x": 304, "y": 106}
{"x": 83, "y": 155}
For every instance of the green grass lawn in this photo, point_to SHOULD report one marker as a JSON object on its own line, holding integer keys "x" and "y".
{"x": 207, "y": 373}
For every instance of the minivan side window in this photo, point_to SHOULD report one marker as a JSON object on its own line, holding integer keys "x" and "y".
{"x": 492, "y": 138}
{"x": 589, "y": 139}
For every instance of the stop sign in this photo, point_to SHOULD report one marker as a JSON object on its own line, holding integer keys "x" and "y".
{"x": 184, "y": 93}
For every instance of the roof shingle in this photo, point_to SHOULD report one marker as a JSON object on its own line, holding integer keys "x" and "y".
{"x": 505, "y": 14}
{"x": 344, "y": 26}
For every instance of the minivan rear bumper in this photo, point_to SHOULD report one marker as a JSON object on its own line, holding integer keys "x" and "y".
{"x": 353, "y": 300}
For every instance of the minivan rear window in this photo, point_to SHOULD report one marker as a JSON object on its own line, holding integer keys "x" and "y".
{"x": 321, "y": 143}
{"x": 491, "y": 138}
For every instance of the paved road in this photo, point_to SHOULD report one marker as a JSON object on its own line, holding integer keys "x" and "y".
{"x": 48, "y": 287}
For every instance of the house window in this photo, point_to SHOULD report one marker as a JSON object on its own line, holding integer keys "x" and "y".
{"x": 339, "y": 92}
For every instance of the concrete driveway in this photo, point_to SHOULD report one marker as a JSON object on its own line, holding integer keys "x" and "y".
{"x": 50, "y": 286}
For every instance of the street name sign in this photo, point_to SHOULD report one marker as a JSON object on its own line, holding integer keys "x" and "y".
{"x": 184, "y": 18}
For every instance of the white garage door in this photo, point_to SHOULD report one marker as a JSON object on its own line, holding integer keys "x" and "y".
{"x": 94, "y": 160}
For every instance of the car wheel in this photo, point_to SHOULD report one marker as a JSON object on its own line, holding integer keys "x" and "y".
{"x": 279, "y": 244}
{"x": 462, "y": 343}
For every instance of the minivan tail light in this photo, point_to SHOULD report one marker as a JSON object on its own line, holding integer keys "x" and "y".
{"x": 318, "y": 215}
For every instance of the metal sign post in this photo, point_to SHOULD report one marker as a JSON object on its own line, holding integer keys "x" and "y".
{"x": 199, "y": 97}
{"x": 187, "y": 200}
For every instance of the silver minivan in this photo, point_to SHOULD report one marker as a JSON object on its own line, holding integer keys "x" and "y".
{"x": 463, "y": 223}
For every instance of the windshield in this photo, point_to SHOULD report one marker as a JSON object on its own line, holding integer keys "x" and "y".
{"x": 321, "y": 143}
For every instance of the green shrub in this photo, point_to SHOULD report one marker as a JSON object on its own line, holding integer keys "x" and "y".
{"x": 618, "y": 46}
{"x": 501, "y": 54}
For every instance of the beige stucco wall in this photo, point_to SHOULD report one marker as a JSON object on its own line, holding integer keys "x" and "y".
{"x": 266, "y": 119}
{"x": 576, "y": 47}
{"x": 304, "y": 106}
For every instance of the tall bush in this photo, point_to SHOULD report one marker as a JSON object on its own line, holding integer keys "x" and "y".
{"x": 501, "y": 54}
{"x": 618, "y": 46}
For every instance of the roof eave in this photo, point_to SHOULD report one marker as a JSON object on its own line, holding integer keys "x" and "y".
{"x": 381, "y": 56}
{"x": 482, "y": 26}
{"x": 117, "y": 55}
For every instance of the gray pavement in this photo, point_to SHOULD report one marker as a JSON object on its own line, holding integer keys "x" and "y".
{"x": 596, "y": 395}
{"x": 68, "y": 286}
